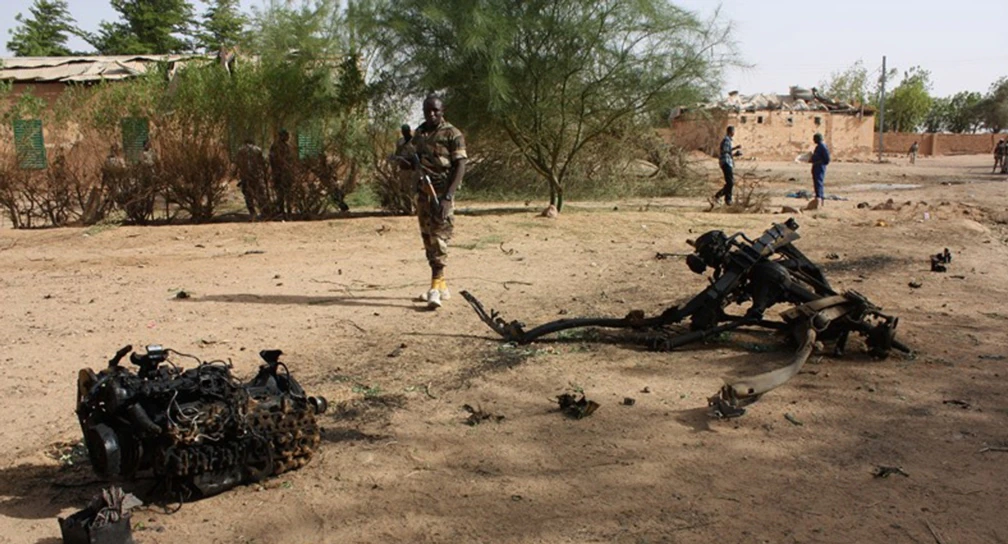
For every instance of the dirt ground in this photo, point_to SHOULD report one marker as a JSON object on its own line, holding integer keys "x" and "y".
{"x": 397, "y": 463}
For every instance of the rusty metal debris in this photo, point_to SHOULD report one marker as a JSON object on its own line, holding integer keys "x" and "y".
{"x": 106, "y": 520}
{"x": 576, "y": 408}
{"x": 940, "y": 260}
{"x": 759, "y": 273}
{"x": 882, "y": 471}
{"x": 199, "y": 431}
{"x": 478, "y": 415}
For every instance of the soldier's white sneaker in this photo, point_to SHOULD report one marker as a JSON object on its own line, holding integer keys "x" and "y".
{"x": 445, "y": 294}
{"x": 433, "y": 299}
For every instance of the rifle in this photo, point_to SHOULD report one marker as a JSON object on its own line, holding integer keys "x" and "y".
{"x": 426, "y": 186}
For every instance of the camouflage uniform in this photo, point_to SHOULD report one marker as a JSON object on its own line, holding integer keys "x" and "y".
{"x": 436, "y": 149}
{"x": 251, "y": 166}
{"x": 281, "y": 166}
{"x": 403, "y": 159}
{"x": 999, "y": 155}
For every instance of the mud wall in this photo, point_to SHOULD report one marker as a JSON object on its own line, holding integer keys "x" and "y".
{"x": 931, "y": 144}
{"x": 775, "y": 135}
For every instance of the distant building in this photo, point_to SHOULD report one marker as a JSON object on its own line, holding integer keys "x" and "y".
{"x": 776, "y": 127}
{"x": 48, "y": 77}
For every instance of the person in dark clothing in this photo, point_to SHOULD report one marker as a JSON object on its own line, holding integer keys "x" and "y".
{"x": 727, "y": 165}
{"x": 820, "y": 158}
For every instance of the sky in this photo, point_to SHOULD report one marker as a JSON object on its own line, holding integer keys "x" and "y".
{"x": 964, "y": 44}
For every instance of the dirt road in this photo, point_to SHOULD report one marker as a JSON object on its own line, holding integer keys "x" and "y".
{"x": 397, "y": 464}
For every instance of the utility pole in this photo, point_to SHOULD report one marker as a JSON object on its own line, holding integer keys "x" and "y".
{"x": 881, "y": 134}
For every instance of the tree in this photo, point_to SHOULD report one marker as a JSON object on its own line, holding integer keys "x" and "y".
{"x": 849, "y": 85}
{"x": 45, "y": 32}
{"x": 938, "y": 116}
{"x": 993, "y": 109}
{"x": 909, "y": 103}
{"x": 553, "y": 77}
{"x": 224, "y": 25}
{"x": 963, "y": 115}
{"x": 147, "y": 27}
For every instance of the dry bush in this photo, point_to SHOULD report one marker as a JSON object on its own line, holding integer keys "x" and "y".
{"x": 55, "y": 196}
{"x": 396, "y": 190}
{"x": 14, "y": 186}
{"x": 639, "y": 164}
{"x": 132, "y": 188}
{"x": 749, "y": 196}
{"x": 309, "y": 194}
{"x": 191, "y": 170}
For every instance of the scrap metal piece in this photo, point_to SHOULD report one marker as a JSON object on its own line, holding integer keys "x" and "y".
{"x": 756, "y": 275}
{"x": 576, "y": 408}
{"x": 939, "y": 260}
{"x": 106, "y": 520}
{"x": 200, "y": 431}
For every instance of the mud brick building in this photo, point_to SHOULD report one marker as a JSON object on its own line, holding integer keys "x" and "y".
{"x": 776, "y": 127}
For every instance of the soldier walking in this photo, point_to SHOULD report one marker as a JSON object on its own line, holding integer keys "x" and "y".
{"x": 999, "y": 155}
{"x": 440, "y": 163}
{"x": 250, "y": 166}
{"x": 281, "y": 167}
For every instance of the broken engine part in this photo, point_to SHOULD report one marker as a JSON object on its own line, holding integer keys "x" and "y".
{"x": 576, "y": 408}
{"x": 200, "y": 431}
{"x": 940, "y": 260}
{"x": 759, "y": 273}
{"x": 106, "y": 520}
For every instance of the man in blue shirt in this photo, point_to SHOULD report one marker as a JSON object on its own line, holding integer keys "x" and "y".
{"x": 820, "y": 158}
{"x": 727, "y": 165}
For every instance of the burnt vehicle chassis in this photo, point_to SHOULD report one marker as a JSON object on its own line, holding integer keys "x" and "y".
{"x": 199, "y": 431}
{"x": 763, "y": 272}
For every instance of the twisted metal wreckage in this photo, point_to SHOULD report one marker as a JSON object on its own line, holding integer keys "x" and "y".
{"x": 200, "y": 431}
{"x": 767, "y": 271}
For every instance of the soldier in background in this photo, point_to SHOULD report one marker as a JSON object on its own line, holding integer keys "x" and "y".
{"x": 999, "y": 155}
{"x": 913, "y": 153}
{"x": 250, "y": 166}
{"x": 282, "y": 168}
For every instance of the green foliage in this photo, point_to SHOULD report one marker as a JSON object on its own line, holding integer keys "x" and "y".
{"x": 27, "y": 106}
{"x": 552, "y": 77}
{"x": 145, "y": 27}
{"x": 993, "y": 109}
{"x": 849, "y": 85}
{"x": 45, "y": 32}
{"x": 957, "y": 113}
{"x": 908, "y": 105}
{"x": 224, "y": 26}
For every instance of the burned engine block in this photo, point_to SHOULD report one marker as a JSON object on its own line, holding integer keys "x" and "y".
{"x": 200, "y": 431}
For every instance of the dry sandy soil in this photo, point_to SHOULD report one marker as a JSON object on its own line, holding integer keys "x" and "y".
{"x": 397, "y": 463}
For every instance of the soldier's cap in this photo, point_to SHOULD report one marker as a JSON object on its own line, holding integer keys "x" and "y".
{"x": 405, "y": 127}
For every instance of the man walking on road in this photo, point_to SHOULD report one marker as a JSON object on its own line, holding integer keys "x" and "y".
{"x": 727, "y": 165}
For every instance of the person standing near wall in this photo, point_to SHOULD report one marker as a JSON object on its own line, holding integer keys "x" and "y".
{"x": 727, "y": 163}
{"x": 820, "y": 158}
{"x": 913, "y": 153}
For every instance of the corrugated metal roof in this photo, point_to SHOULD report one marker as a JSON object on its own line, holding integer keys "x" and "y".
{"x": 81, "y": 69}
